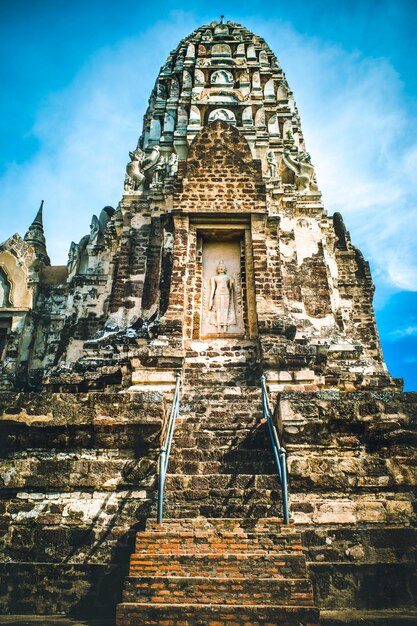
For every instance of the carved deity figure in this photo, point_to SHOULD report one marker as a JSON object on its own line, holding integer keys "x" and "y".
{"x": 135, "y": 176}
{"x": 272, "y": 164}
{"x": 222, "y": 300}
{"x": 141, "y": 168}
{"x": 300, "y": 164}
{"x": 172, "y": 164}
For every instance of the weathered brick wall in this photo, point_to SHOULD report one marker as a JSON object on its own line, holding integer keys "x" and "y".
{"x": 77, "y": 480}
{"x": 221, "y": 175}
{"x": 352, "y": 466}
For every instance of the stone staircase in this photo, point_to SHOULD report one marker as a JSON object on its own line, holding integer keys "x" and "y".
{"x": 218, "y": 572}
{"x": 223, "y": 555}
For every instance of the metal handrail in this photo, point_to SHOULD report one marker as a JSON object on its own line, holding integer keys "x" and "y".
{"x": 280, "y": 452}
{"x": 166, "y": 448}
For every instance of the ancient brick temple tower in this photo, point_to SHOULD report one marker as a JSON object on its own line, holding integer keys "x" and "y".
{"x": 221, "y": 264}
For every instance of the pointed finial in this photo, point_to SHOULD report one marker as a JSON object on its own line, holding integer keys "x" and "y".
{"x": 35, "y": 236}
{"x": 39, "y": 215}
{"x": 222, "y": 18}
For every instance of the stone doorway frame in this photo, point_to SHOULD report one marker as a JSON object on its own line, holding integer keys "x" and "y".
{"x": 220, "y": 229}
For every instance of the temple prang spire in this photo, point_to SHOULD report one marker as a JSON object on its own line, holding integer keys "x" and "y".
{"x": 35, "y": 236}
{"x": 221, "y": 268}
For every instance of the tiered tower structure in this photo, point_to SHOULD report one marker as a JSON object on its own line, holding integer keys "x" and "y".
{"x": 219, "y": 263}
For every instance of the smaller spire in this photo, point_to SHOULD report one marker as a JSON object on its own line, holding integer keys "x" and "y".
{"x": 36, "y": 237}
{"x": 222, "y": 18}
{"x": 39, "y": 216}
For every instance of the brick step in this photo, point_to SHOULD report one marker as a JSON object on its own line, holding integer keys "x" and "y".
{"x": 238, "y": 455}
{"x": 200, "y": 392}
{"x": 224, "y": 507}
{"x": 238, "y": 565}
{"x": 243, "y": 438}
{"x": 159, "y": 589}
{"x": 222, "y": 526}
{"x": 222, "y": 483}
{"x": 181, "y": 466}
{"x": 151, "y": 543}
{"x": 220, "y": 379}
{"x": 140, "y": 614}
{"x": 221, "y": 418}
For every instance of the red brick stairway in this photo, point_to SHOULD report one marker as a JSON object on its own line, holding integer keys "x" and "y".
{"x": 218, "y": 572}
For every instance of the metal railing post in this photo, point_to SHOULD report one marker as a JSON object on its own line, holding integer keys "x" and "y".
{"x": 162, "y": 457}
{"x": 279, "y": 451}
{"x": 166, "y": 448}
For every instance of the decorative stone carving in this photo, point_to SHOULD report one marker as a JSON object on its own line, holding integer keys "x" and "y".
{"x": 140, "y": 168}
{"x": 273, "y": 126}
{"x": 175, "y": 89}
{"x": 161, "y": 91}
{"x": 221, "y": 50}
{"x": 251, "y": 53}
{"x": 187, "y": 81}
{"x": 169, "y": 123}
{"x": 221, "y": 30}
{"x": 287, "y": 130}
{"x": 247, "y": 116}
{"x": 263, "y": 58}
{"x": 172, "y": 165}
{"x": 272, "y": 164}
{"x": 207, "y": 36}
{"x": 222, "y": 77}
{"x": 260, "y": 120}
{"x": 160, "y": 171}
{"x": 300, "y": 164}
{"x": 269, "y": 89}
{"x": 222, "y": 114}
{"x": 199, "y": 79}
{"x": 222, "y": 299}
{"x": 135, "y": 176}
{"x": 95, "y": 231}
{"x": 282, "y": 93}
{"x": 195, "y": 117}
{"x": 73, "y": 258}
{"x": 256, "y": 81}
{"x": 182, "y": 121}
{"x": 155, "y": 130}
{"x": 190, "y": 50}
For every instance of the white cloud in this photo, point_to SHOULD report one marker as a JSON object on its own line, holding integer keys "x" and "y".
{"x": 85, "y": 133}
{"x": 400, "y": 333}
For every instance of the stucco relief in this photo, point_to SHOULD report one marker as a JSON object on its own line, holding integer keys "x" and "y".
{"x": 222, "y": 289}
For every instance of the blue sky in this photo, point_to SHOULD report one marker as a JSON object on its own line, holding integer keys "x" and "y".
{"x": 76, "y": 77}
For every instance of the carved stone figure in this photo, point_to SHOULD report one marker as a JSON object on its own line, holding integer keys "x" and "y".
{"x": 73, "y": 258}
{"x": 172, "y": 164}
{"x": 95, "y": 230}
{"x": 222, "y": 300}
{"x": 272, "y": 164}
{"x": 175, "y": 89}
{"x": 221, "y": 77}
{"x": 141, "y": 168}
{"x": 160, "y": 171}
{"x": 161, "y": 92}
{"x": 135, "y": 176}
{"x": 300, "y": 164}
{"x": 222, "y": 114}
